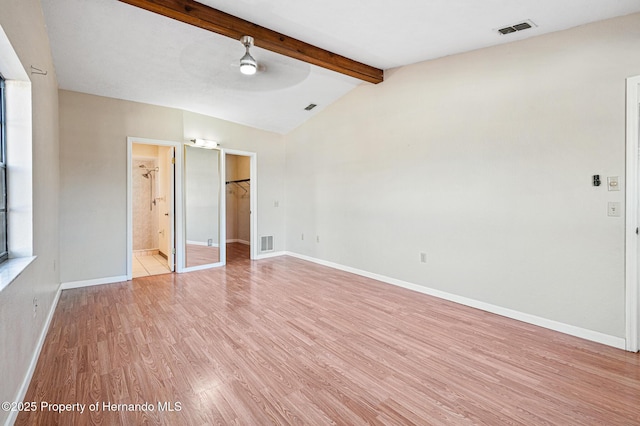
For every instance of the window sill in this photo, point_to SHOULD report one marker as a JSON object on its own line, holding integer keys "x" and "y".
{"x": 12, "y": 268}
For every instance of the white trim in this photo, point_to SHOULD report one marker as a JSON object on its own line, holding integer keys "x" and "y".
{"x": 253, "y": 197}
{"x": 97, "y": 281}
{"x": 11, "y": 269}
{"x": 177, "y": 213}
{"x": 631, "y": 208}
{"x": 222, "y": 209}
{"x": 19, "y": 147}
{"x": 273, "y": 254}
{"x": 10, "y": 64}
{"x": 594, "y": 336}
{"x": 202, "y": 267}
{"x": 34, "y": 359}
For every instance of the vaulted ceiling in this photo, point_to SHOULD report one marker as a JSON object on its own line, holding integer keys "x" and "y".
{"x": 109, "y": 48}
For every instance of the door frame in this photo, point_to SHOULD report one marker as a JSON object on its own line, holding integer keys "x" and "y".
{"x": 632, "y": 318}
{"x": 177, "y": 200}
{"x": 253, "y": 197}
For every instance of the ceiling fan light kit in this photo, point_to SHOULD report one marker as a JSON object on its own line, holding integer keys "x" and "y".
{"x": 248, "y": 65}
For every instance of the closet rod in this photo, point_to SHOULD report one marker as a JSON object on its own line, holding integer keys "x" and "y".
{"x": 237, "y": 181}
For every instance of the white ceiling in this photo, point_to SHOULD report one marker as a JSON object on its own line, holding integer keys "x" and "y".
{"x": 108, "y": 48}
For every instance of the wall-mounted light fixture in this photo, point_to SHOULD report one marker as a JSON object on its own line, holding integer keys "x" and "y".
{"x": 248, "y": 65}
{"x": 204, "y": 143}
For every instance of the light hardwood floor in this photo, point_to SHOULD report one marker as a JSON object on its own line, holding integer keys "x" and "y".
{"x": 283, "y": 341}
{"x": 201, "y": 255}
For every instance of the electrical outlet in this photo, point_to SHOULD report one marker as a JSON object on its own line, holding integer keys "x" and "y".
{"x": 423, "y": 257}
{"x": 613, "y": 209}
{"x": 35, "y": 306}
{"x": 210, "y": 242}
{"x": 302, "y": 237}
{"x": 276, "y": 204}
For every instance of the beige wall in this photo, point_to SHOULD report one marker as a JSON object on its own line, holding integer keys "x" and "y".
{"x": 20, "y": 328}
{"x": 483, "y": 161}
{"x": 93, "y": 156}
{"x": 144, "y": 150}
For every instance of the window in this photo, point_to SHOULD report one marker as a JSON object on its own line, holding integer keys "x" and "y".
{"x": 4, "y": 253}
{"x": 16, "y": 143}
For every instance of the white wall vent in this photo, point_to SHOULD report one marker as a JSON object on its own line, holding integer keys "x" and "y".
{"x": 266, "y": 243}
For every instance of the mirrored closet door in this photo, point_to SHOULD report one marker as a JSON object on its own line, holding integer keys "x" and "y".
{"x": 202, "y": 203}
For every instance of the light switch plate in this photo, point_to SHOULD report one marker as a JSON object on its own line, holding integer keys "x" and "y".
{"x": 613, "y": 183}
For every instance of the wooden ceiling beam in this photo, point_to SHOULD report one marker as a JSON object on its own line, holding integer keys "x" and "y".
{"x": 200, "y": 15}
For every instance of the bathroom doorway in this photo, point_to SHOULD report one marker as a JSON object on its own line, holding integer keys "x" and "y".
{"x": 152, "y": 201}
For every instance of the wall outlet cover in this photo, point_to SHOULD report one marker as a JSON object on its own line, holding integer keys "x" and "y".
{"x": 613, "y": 209}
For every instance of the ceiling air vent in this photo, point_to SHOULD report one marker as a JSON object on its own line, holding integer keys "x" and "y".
{"x": 517, "y": 27}
{"x": 310, "y": 107}
{"x": 523, "y": 26}
{"x": 507, "y": 30}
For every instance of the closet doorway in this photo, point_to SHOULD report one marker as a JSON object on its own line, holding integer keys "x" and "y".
{"x": 240, "y": 196}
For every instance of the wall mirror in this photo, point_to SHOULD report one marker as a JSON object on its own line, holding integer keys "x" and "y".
{"x": 202, "y": 182}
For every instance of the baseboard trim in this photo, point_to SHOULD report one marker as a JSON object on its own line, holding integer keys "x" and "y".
{"x": 34, "y": 359}
{"x": 594, "y": 336}
{"x": 236, "y": 240}
{"x": 89, "y": 283}
{"x": 202, "y": 243}
{"x": 270, "y": 255}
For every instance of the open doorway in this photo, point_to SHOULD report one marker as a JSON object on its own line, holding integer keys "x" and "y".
{"x": 151, "y": 211}
{"x": 152, "y": 198}
{"x": 240, "y": 196}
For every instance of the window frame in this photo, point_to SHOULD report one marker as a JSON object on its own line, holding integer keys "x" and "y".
{"x": 4, "y": 242}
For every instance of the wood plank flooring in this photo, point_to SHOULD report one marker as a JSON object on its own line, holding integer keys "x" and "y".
{"x": 283, "y": 341}
{"x": 196, "y": 255}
